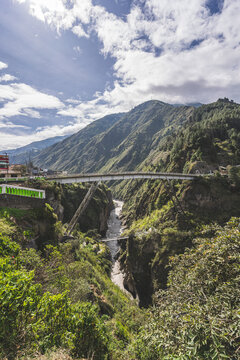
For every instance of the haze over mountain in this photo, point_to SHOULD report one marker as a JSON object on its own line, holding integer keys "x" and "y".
{"x": 67, "y": 154}
{"x": 25, "y": 153}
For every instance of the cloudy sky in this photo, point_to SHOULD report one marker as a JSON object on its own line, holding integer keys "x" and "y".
{"x": 65, "y": 63}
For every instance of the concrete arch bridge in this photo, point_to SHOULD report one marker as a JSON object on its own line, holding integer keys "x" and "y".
{"x": 98, "y": 178}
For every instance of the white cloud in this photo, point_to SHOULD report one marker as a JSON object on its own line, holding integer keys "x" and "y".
{"x": 7, "y": 77}
{"x": 3, "y": 65}
{"x": 77, "y": 49}
{"x": 11, "y": 141}
{"x": 72, "y": 101}
{"x": 32, "y": 113}
{"x": 21, "y": 99}
{"x": 194, "y": 46}
{"x": 10, "y": 125}
{"x": 198, "y": 52}
{"x": 79, "y": 31}
{"x": 171, "y": 50}
{"x": 58, "y": 14}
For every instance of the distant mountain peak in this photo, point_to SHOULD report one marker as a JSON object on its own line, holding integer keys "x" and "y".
{"x": 22, "y": 154}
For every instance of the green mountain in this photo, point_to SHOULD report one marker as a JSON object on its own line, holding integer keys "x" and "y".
{"x": 71, "y": 153}
{"x": 163, "y": 218}
{"x": 116, "y": 142}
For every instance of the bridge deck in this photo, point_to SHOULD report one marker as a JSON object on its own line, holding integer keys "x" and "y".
{"x": 76, "y": 178}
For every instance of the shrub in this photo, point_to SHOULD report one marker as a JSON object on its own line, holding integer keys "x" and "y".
{"x": 18, "y": 298}
{"x": 8, "y": 247}
{"x": 197, "y": 317}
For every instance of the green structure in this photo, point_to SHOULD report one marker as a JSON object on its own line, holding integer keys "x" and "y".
{"x": 21, "y": 191}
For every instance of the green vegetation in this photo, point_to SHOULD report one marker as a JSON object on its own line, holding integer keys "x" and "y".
{"x": 181, "y": 256}
{"x": 116, "y": 142}
{"x": 165, "y": 217}
{"x": 75, "y": 153}
{"x": 61, "y": 304}
{"x": 65, "y": 199}
{"x": 61, "y": 298}
{"x": 197, "y": 317}
{"x": 96, "y": 215}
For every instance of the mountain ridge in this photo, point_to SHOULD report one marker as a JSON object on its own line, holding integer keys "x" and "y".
{"x": 58, "y": 155}
{"x": 120, "y": 145}
{"x": 22, "y": 154}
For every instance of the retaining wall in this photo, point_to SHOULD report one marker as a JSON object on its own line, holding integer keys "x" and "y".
{"x": 20, "y": 202}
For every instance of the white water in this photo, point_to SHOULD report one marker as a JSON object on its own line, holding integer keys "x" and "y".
{"x": 114, "y": 231}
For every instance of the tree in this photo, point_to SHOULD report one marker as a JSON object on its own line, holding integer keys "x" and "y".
{"x": 197, "y": 317}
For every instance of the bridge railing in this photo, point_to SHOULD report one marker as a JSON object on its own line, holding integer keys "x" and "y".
{"x": 121, "y": 176}
{"x": 71, "y": 178}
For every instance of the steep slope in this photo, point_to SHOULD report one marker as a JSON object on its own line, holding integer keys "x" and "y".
{"x": 209, "y": 140}
{"x": 67, "y": 154}
{"x": 137, "y": 134}
{"x": 60, "y": 297}
{"x": 122, "y": 146}
{"x": 23, "y": 154}
{"x": 197, "y": 317}
{"x": 164, "y": 218}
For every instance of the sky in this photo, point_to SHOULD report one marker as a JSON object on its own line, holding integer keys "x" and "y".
{"x": 65, "y": 63}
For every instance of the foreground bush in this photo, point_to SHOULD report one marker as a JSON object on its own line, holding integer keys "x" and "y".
{"x": 198, "y": 317}
{"x": 30, "y": 319}
{"x": 33, "y": 320}
{"x": 61, "y": 301}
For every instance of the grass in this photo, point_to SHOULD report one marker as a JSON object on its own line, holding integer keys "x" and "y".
{"x": 16, "y": 213}
{"x": 59, "y": 354}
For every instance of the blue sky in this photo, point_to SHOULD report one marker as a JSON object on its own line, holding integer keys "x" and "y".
{"x": 65, "y": 63}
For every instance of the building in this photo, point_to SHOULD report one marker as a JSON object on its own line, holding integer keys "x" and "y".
{"x": 4, "y": 162}
{"x": 7, "y": 170}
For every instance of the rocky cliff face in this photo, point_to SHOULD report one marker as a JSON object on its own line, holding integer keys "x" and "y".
{"x": 212, "y": 199}
{"x": 164, "y": 218}
{"x": 40, "y": 221}
{"x": 169, "y": 230}
{"x": 96, "y": 215}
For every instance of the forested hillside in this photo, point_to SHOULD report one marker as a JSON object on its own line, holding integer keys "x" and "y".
{"x": 72, "y": 153}
{"x": 209, "y": 140}
{"x": 117, "y": 142}
{"x": 58, "y": 297}
{"x": 150, "y": 135}
{"x": 165, "y": 217}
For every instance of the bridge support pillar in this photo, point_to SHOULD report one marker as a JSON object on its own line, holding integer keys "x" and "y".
{"x": 82, "y": 207}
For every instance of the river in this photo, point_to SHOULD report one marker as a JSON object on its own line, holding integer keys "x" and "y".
{"x": 114, "y": 230}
